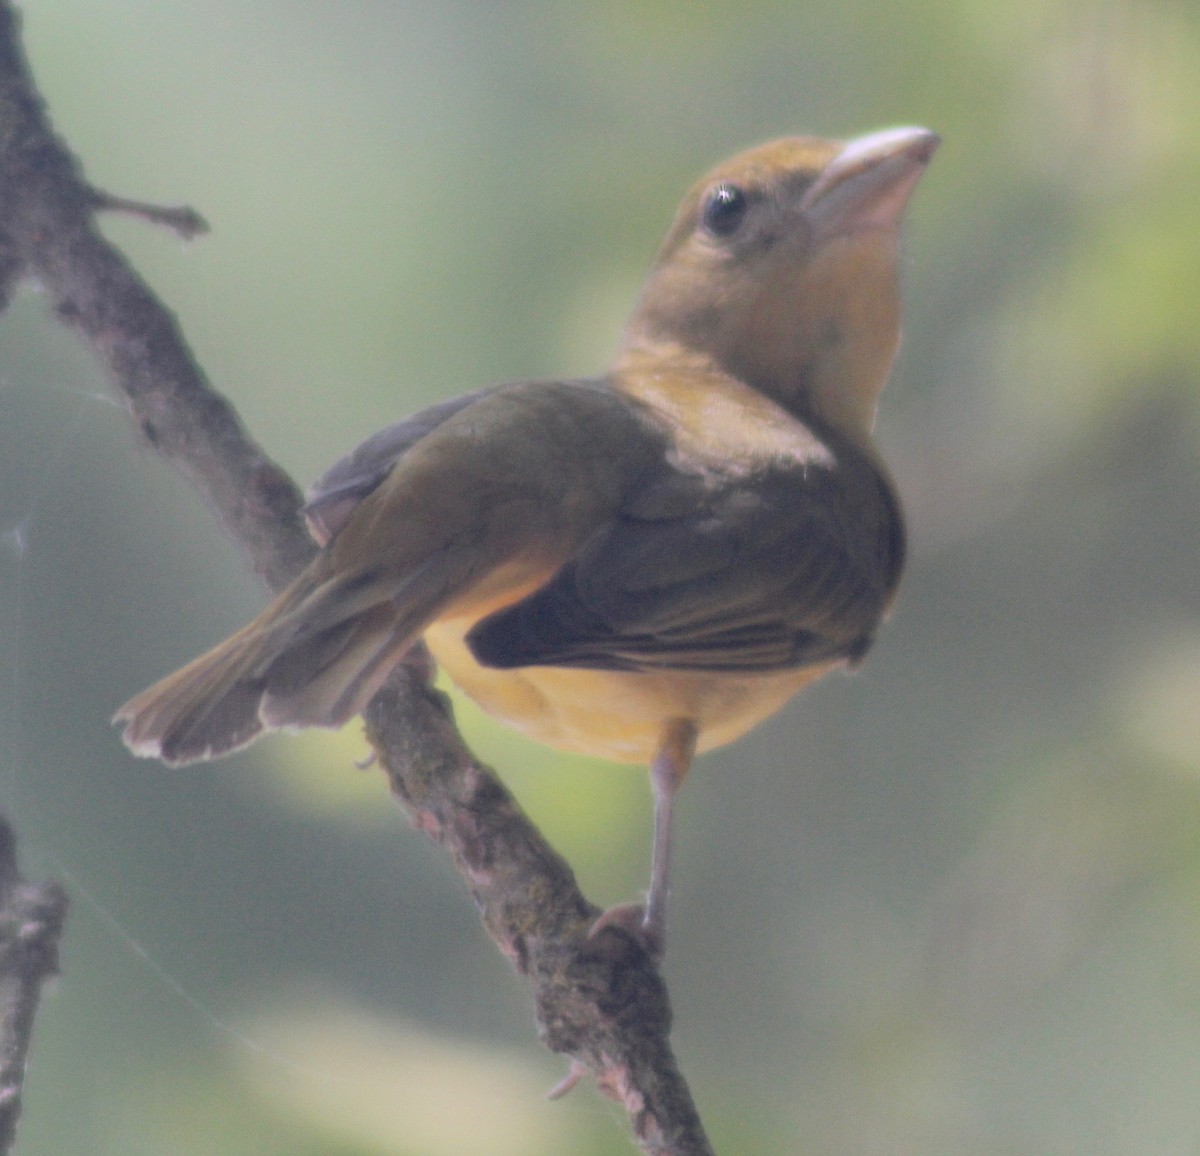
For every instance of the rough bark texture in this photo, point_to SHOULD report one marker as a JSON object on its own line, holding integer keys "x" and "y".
{"x": 31, "y": 924}
{"x": 599, "y": 1000}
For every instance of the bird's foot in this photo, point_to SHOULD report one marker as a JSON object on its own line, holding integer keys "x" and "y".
{"x": 633, "y": 920}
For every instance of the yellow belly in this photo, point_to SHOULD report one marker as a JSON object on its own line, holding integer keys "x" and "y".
{"x": 614, "y": 714}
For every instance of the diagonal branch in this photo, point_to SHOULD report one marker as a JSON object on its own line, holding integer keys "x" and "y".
{"x": 598, "y": 1000}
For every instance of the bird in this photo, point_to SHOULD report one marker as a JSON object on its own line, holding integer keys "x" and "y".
{"x": 642, "y": 565}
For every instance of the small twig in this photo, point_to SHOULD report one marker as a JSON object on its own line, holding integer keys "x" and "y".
{"x": 31, "y": 924}
{"x": 183, "y": 219}
{"x": 599, "y": 999}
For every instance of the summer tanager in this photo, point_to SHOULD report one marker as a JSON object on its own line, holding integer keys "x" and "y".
{"x": 640, "y": 565}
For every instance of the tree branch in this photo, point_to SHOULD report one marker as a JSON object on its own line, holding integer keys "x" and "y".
{"x": 31, "y": 924}
{"x": 598, "y": 1000}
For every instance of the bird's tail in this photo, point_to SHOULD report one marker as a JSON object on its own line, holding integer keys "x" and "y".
{"x": 313, "y": 657}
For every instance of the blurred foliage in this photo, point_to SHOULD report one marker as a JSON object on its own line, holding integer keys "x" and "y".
{"x": 951, "y": 905}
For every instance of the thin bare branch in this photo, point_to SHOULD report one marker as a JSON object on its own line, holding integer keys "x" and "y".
{"x": 47, "y": 232}
{"x": 31, "y": 924}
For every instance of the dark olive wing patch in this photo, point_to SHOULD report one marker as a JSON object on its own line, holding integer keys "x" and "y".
{"x": 785, "y": 568}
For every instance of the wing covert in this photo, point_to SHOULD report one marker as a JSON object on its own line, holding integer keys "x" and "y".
{"x": 332, "y": 498}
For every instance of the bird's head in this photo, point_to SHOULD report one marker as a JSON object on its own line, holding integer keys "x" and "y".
{"x": 781, "y": 269}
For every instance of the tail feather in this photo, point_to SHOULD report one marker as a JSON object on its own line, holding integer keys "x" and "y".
{"x": 314, "y": 657}
{"x": 330, "y": 680}
{"x": 226, "y": 698}
{"x": 202, "y": 711}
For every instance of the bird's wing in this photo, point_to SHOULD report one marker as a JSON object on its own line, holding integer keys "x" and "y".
{"x": 784, "y": 568}
{"x": 333, "y": 497}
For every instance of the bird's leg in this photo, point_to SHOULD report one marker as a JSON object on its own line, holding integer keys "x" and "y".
{"x": 667, "y": 772}
{"x": 648, "y": 924}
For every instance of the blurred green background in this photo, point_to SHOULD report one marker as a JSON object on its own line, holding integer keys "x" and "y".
{"x": 951, "y": 905}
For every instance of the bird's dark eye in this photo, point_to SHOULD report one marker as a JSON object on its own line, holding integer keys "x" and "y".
{"x": 724, "y": 209}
